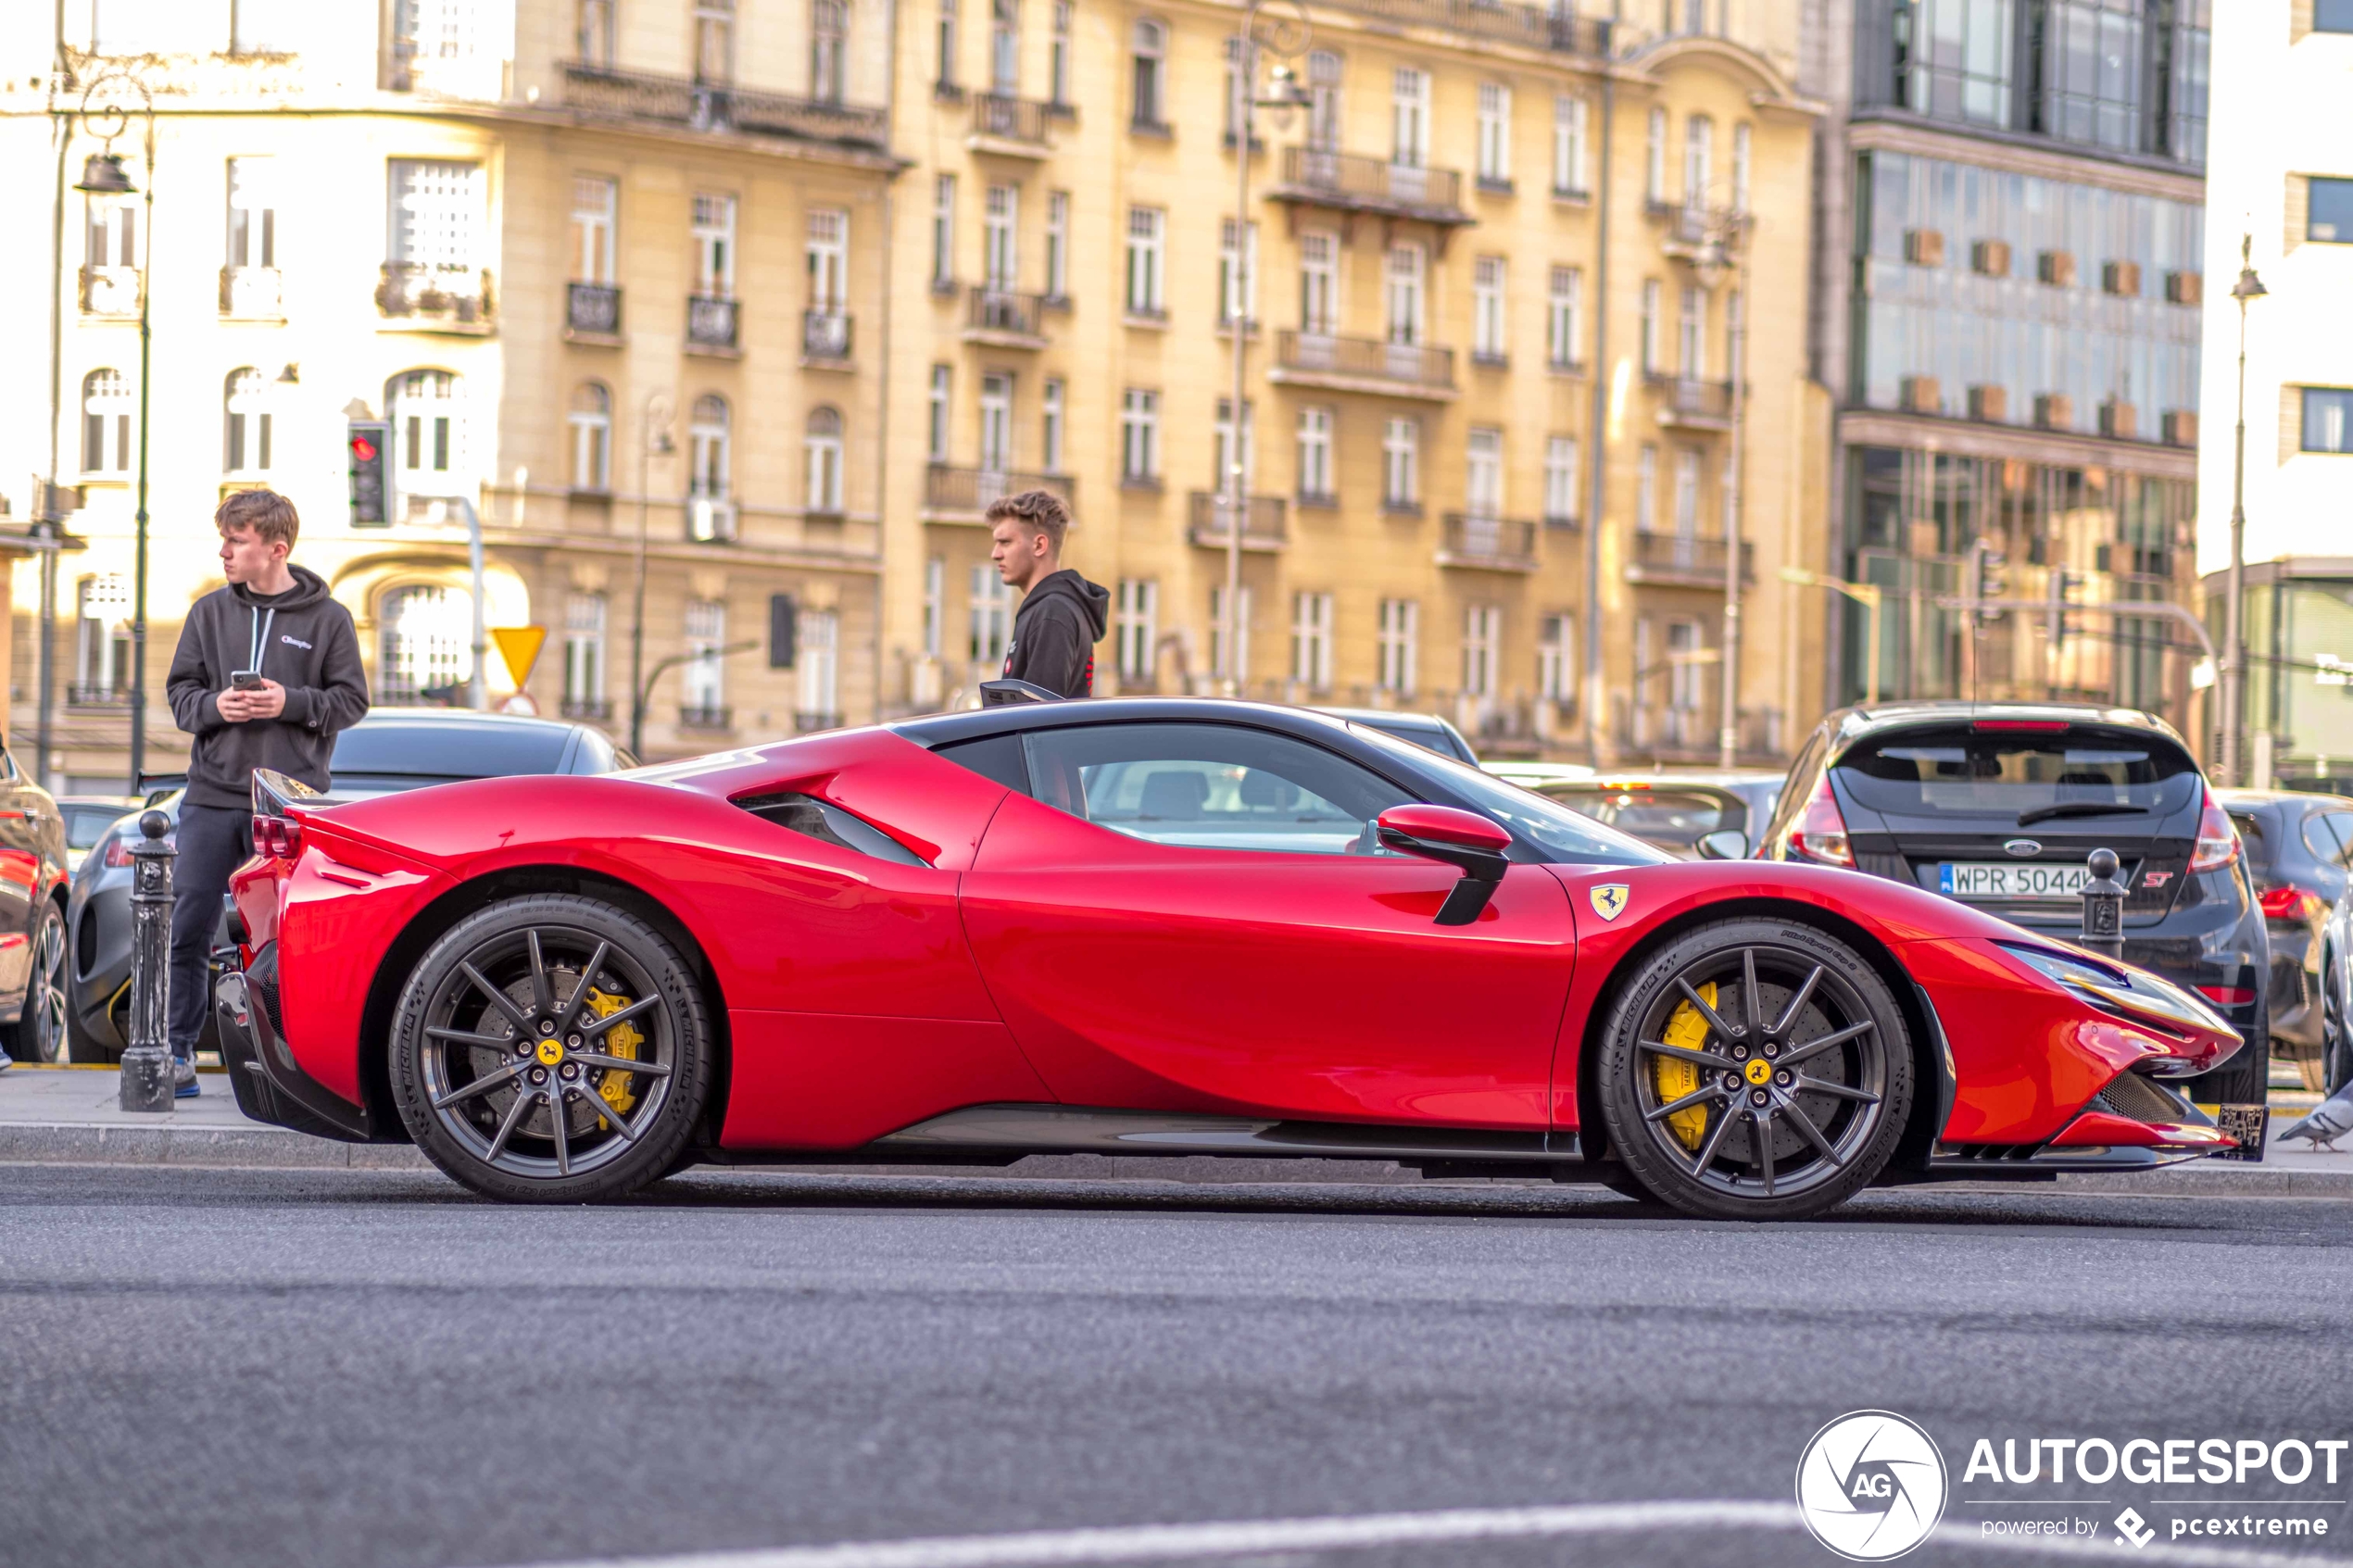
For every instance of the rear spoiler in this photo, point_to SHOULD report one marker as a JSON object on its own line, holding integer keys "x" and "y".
{"x": 275, "y": 794}
{"x": 1008, "y": 691}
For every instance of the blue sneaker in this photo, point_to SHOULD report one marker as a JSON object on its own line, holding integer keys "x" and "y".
{"x": 184, "y": 1079}
{"x": 7, "y": 1061}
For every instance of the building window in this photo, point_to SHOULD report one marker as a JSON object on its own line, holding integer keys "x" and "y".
{"x": 1490, "y": 336}
{"x": 1482, "y": 640}
{"x": 943, "y": 231}
{"x": 1050, "y": 420}
{"x": 1224, "y": 664}
{"x": 702, "y": 680}
{"x": 1150, "y": 75}
{"x": 2333, "y": 16}
{"x": 591, "y": 423}
{"x": 1058, "y": 61}
{"x": 1058, "y": 242}
{"x": 1138, "y": 625}
{"x": 1311, "y": 640}
{"x": 992, "y": 618}
{"x": 1742, "y": 159}
{"x": 2329, "y": 211}
{"x": 1483, "y": 472}
{"x": 1494, "y": 133}
{"x": 1401, "y": 462}
{"x": 996, "y": 423}
{"x": 1687, "y": 493}
{"x": 595, "y": 37}
{"x": 714, "y": 238}
{"x": 1699, "y": 159}
{"x": 595, "y": 202}
{"x": 709, "y": 442}
{"x": 1323, "y": 100}
{"x": 1406, "y": 269}
{"x": 1000, "y": 221}
{"x": 1005, "y": 46}
{"x": 1237, "y": 83}
{"x": 1146, "y": 231}
{"x": 2328, "y": 420}
{"x": 1655, "y": 159}
{"x": 817, "y": 636}
{"x": 102, "y": 638}
{"x": 1315, "y": 454}
{"x": 937, "y": 432}
{"x": 1560, "y": 480}
{"x": 1683, "y": 672}
{"x": 428, "y": 431}
{"x": 253, "y": 213}
{"x": 935, "y": 607}
{"x": 1653, "y": 328}
{"x": 1221, "y": 441}
{"x": 245, "y": 423}
{"x": 714, "y": 40}
{"x": 1139, "y": 437}
{"x": 436, "y": 217}
{"x": 1318, "y": 283}
{"x": 1565, "y": 316}
{"x": 2093, "y": 68}
{"x": 828, "y": 49}
{"x": 1409, "y": 117}
{"x": 828, "y": 260}
{"x": 1237, "y": 274}
{"x": 1399, "y": 640}
{"x": 585, "y": 655}
{"x": 1691, "y": 336}
{"x": 1568, "y": 146}
{"x": 1646, "y": 489}
{"x": 1556, "y": 659}
{"x": 821, "y": 449}
{"x": 105, "y": 422}
{"x": 1957, "y": 64}
{"x": 944, "y": 36}
{"x": 425, "y": 636}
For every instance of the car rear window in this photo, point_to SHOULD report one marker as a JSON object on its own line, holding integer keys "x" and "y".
{"x": 462, "y": 750}
{"x": 1965, "y": 770}
{"x": 2255, "y": 836}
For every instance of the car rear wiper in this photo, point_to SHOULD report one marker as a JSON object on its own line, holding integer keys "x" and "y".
{"x": 2079, "y": 808}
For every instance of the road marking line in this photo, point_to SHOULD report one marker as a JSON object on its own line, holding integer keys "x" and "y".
{"x": 1144, "y": 1543}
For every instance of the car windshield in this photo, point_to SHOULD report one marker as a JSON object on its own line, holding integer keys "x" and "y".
{"x": 463, "y": 750}
{"x": 2004, "y": 774}
{"x": 1679, "y": 818}
{"x": 1559, "y": 831}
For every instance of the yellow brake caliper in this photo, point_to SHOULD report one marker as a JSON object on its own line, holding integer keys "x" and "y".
{"x": 1677, "y": 1077}
{"x": 622, "y": 1040}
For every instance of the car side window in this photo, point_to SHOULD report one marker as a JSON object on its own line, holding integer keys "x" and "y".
{"x": 2330, "y": 836}
{"x": 1209, "y": 786}
{"x": 1794, "y": 792}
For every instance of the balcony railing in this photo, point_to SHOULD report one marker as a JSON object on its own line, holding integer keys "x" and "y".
{"x": 711, "y": 322}
{"x": 110, "y": 291}
{"x": 1317, "y": 358}
{"x": 1533, "y": 27}
{"x": 1493, "y": 543}
{"x": 1685, "y": 558}
{"x": 1002, "y": 316}
{"x": 1000, "y": 118}
{"x": 1263, "y": 522}
{"x": 1688, "y": 228}
{"x": 711, "y": 519}
{"x": 252, "y": 293}
{"x": 587, "y": 708}
{"x": 707, "y": 716}
{"x": 701, "y": 106}
{"x": 1349, "y": 180}
{"x": 458, "y": 297}
{"x": 825, "y": 334}
{"x": 79, "y": 695}
{"x": 592, "y": 309}
{"x": 1694, "y": 404}
{"x": 950, "y": 489}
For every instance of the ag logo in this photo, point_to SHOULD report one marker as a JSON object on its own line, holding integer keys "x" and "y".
{"x": 1609, "y": 899}
{"x": 1870, "y": 1486}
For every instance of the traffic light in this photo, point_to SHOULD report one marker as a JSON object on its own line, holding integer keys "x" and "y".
{"x": 364, "y": 446}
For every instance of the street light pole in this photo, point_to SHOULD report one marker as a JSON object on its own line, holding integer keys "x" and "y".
{"x": 1728, "y": 735}
{"x": 2248, "y": 287}
{"x": 655, "y": 440}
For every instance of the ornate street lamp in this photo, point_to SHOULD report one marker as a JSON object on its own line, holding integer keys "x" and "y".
{"x": 657, "y": 444}
{"x": 2248, "y": 287}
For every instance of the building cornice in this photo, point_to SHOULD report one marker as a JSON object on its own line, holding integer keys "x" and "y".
{"x": 1769, "y": 90}
{"x": 2015, "y": 154}
{"x": 1963, "y": 438}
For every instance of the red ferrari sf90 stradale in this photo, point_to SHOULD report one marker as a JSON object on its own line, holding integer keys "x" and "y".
{"x": 1155, "y": 926}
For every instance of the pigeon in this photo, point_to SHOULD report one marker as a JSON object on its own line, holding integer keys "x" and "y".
{"x": 2330, "y": 1121}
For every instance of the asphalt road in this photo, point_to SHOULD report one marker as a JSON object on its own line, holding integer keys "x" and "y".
{"x": 258, "y": 1368}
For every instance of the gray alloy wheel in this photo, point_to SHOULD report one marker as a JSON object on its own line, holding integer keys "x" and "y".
{"x": 551, "y": 1048}
{"x": 39, "y": 1034}
{"x": 2335, "y": 1049}
{"x": 1755, "y": 1069}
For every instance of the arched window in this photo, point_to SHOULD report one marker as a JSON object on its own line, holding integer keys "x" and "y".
{"x": 105, "y": 422}
{"x": 424, "y": 651}
{"x": 244, "y": 445}
{"x": 591, "y": 437}
{"x": 706, "y": 456}
{"x": 1152, "y": 64}
{"x": 823, "y": 448}
{"x": 428, "y": 415}
{"x": 828, "y": 48}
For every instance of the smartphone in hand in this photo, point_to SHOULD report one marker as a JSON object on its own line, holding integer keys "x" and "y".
{"x": 245, "y": 679}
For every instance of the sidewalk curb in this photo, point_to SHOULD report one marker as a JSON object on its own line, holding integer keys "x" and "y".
{"x": 91, "y": 1143}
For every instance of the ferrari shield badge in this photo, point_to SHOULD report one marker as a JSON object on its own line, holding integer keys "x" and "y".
{"x": 1609, "y": 899}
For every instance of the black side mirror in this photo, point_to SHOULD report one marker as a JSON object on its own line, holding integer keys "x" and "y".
{"x": 1462, "y": 839}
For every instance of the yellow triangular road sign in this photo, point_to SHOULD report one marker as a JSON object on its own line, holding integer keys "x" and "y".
{"x": 519, "y": 645}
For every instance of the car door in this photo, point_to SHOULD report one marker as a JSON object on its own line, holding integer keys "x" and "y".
{"x": 1189, "y": 916}
{"x": 19, "y": 874}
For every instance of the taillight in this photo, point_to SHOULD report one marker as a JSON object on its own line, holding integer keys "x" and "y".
{"x": 2218, "y": 841}
{"x": 2228, "y": 996}
{"x": 278, "y": 837}
{"x": 118, "y": 850}
{"x": 2290, "y": 903}
{"x": 1819, "y": 832}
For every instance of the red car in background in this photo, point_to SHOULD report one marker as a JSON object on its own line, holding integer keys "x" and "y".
{"x": 1156, "y": 926}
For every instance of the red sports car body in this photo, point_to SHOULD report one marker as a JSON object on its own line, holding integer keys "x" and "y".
{"x": 1155, "y": 926}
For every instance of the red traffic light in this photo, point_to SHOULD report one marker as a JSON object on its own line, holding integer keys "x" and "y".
{"x": 363, "y": 449}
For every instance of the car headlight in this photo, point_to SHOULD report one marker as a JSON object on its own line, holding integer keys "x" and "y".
{"x": 2132, "y": 993}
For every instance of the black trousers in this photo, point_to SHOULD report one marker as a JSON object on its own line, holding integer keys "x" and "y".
{"x": 214, "y": 841}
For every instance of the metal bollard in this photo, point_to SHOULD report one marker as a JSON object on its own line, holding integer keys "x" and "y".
{"x": 2104, "y": 905}
{"x": 146, "y": 1060}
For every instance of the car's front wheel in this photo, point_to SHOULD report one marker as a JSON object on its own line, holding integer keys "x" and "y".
{"x": 551, "y": 1048}
{"x": 39, "y": 1034}
{"x": 1755, "y": 1070}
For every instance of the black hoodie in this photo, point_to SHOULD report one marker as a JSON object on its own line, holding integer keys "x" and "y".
{"x": 303, "y": 640}
{"x": 1055, "y": 632}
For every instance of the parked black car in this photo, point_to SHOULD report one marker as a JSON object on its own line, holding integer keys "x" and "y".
{"x": 388, "y": 751}
{"x": 1999, "y": 805}
{"x": 2297, "y": 851}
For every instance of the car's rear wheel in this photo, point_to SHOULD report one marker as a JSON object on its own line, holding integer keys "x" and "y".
{"x": 551, "y": 1048}
{"x": 39, "y": 1034}
{"x": 1755, "y": 1070}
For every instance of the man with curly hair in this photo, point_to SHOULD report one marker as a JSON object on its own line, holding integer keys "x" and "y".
{"x": 1061, "y": 615}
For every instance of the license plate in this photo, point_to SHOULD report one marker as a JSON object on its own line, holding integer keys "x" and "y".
{"x": 2011, "y": 879}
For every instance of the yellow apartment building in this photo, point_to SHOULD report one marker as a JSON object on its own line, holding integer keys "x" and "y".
{"x": 1491, "y": 277}
{"x": 609, "y": 273}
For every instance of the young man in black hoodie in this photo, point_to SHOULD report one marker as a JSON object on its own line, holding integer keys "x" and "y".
{"x": 277, "y": 627}
{"x": 1061, "y": 615}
